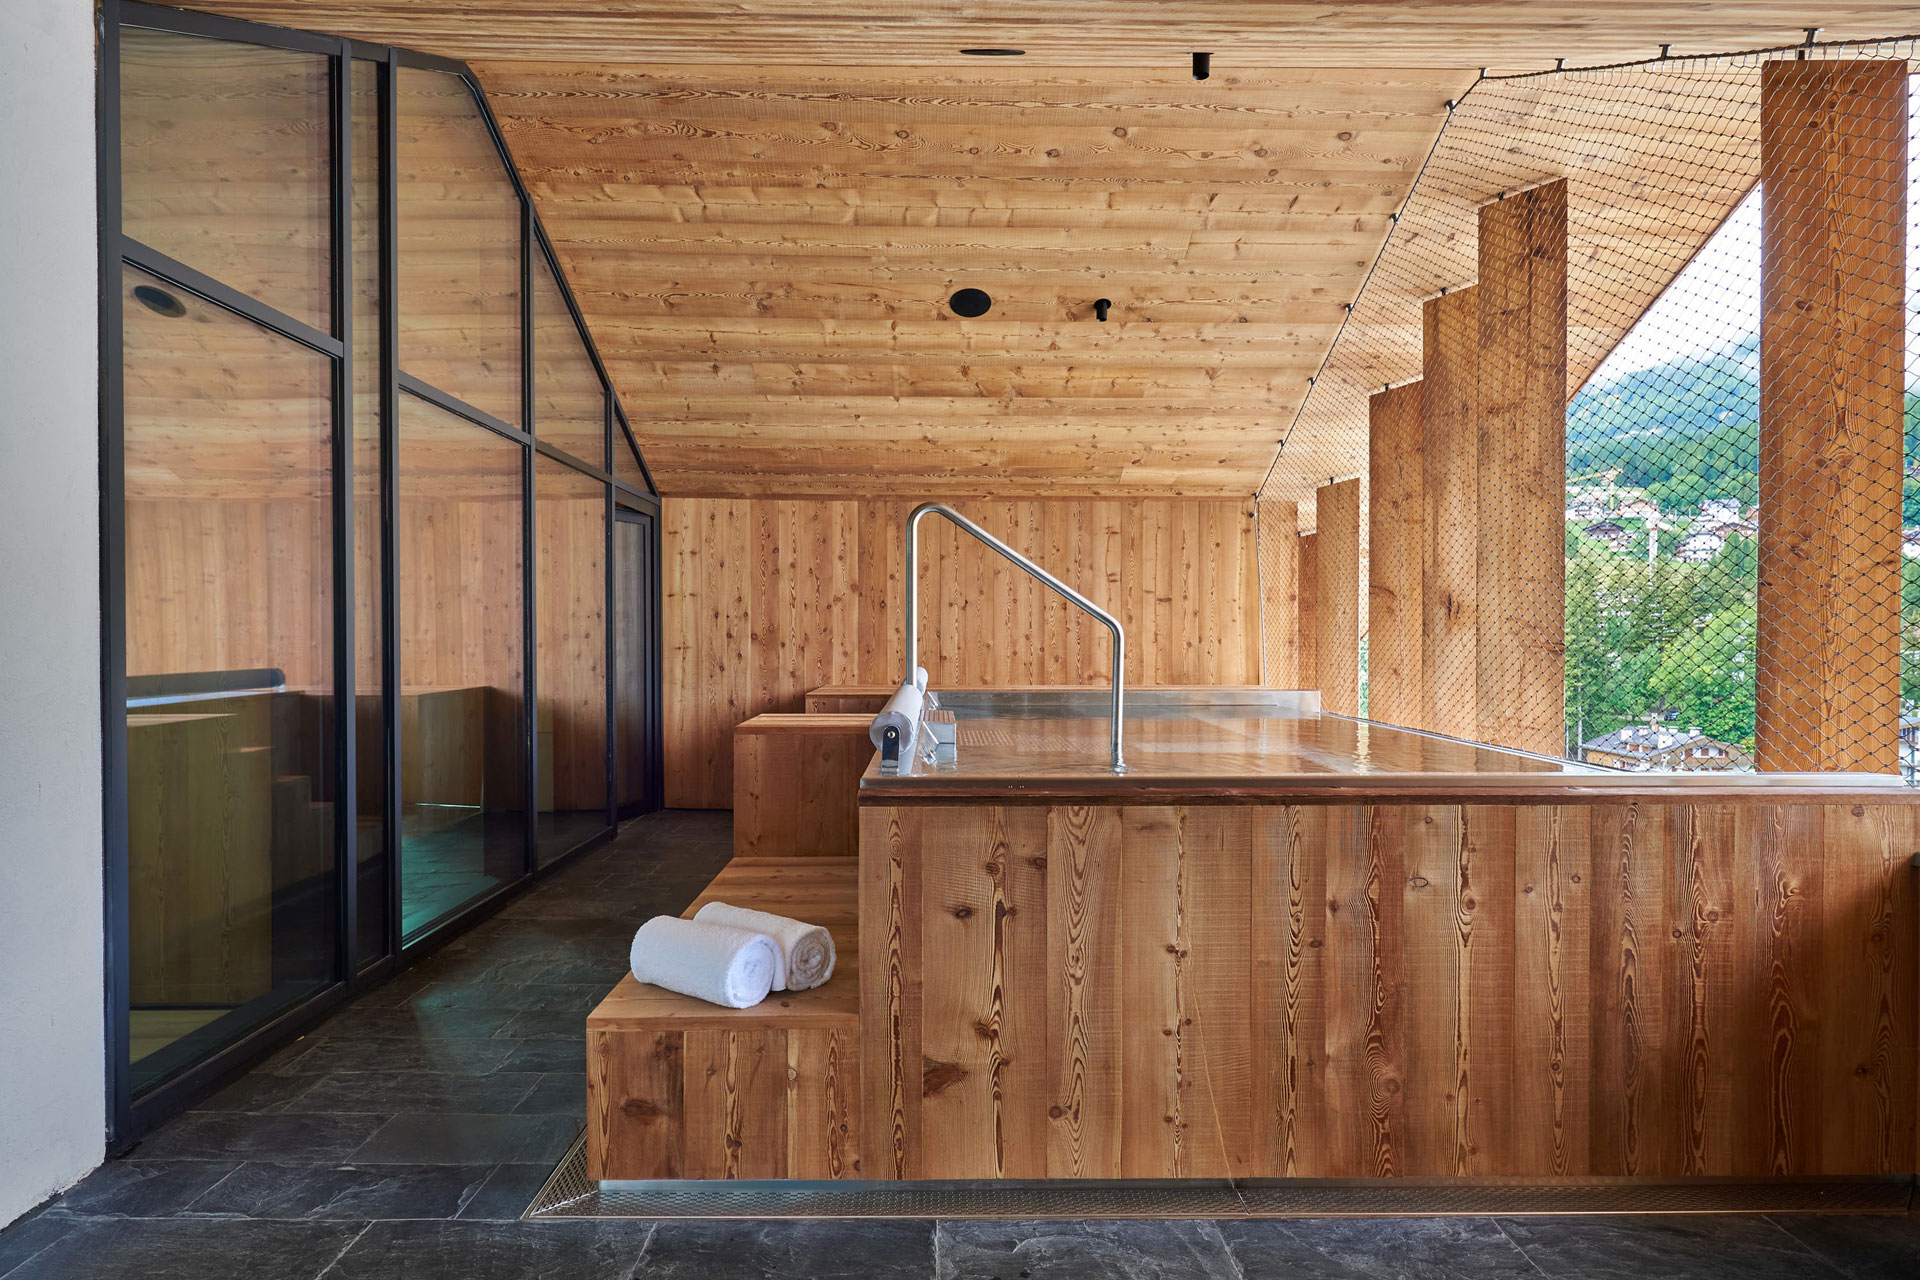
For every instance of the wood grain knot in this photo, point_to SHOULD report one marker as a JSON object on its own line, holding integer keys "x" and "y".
{"x": 938, "y": 1076}
{"x": 963, "y": 913}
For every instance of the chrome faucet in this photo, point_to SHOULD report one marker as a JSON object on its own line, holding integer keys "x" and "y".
{"x": 1033, "y": 570}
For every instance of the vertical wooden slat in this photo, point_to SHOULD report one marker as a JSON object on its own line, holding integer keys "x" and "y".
{"x": 1396, "y": 558}
{"x": 736, "y": 1098}
{"x": 1431, "y": 963}
{"x": 1216, "y": 1078}
{"x": 1833, "y": 155}
{"x": 1306, "y": 616}
{"x": 635, "y": 1105}
{"x": 1707, "y": 848}
{"x": 1278, "y": 554}
{"x": 1450, "y": 342}
{"x": 1337, "y": 597}
{"x": 823, "y": 1098}
{"x": 1084, "y": 999}
{"x": 1349, "y": 959}
{"x": 1152, "y": 945}
{"x": 1520, "y": 594}
{"x": 1552, "y": 989}
{"x": 890, "y": 975}
{"x": 1485, "y": 923}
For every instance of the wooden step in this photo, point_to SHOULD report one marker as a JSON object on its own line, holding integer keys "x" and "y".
{"x": 679, "y": 1088}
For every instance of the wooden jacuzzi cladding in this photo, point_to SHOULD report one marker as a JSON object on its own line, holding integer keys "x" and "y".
{"x": 1391, "y": 989}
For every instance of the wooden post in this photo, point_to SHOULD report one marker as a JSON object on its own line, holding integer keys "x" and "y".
{"x": 1337, "y": 615}
{"x": 1396, "y": 559}
{"x": 1276, "y": 533}
{"x": 1306, "y": 617}
{"x": 1450, "y": 490}
{"x": 1522, "y": 377}
{"x": 1833, "y": 143}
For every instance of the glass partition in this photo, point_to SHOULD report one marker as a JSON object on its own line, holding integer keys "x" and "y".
{"x": 459, "y": 247}
{"x": 229, "y": 663}
{"x": 225, "y": 164}
{"x": 313, "y": 231}
{"x": 570, "y": 598}
{"x": 463, "y": 749}
{"x": 570, "y": 404}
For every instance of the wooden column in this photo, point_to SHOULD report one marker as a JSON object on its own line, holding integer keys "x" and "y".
{"x": 1307, "y": 613}
{"x": 1833, "y": 172}
{"x": 1396, "y": 559}
{"x": 1337, "y": 615}
{"x": 1450, "y": 493}
{"x": 1521, "y": 590}
{"x": 1276, "y": 534}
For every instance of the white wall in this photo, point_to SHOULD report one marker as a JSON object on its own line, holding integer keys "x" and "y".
{"x": 52, "y": 1078}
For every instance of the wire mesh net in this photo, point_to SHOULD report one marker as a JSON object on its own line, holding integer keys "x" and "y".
{"x": 1683, "y": 537}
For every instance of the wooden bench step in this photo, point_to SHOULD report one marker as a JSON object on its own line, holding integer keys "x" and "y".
{"x": 679, "y": 1088}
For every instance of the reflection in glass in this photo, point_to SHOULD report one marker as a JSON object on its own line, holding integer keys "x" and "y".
{"x": 370, "y": 790}
{"x": 462, "y": 698}
{"x": 225, "y": 164}
{"x": 632, "y": 627}
{"x": 229, "y": 647}
{"x": 570, "y": 404}
{"x": 459, "y": 250}
{"x": 570, "y": 598}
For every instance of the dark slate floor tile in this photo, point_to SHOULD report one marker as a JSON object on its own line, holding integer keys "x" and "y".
{"x": 1415, "y": 1248}
{"x": 562, "y": 1093}
{"x": 356, "y": 1193}
{"x": 30, "y": 1236}
{"x": 463, "y": 1054}
{"x": 495, "y": 1251}
{"x": 1695, "y": 1247}
{"x": 190, "y": 1249}
{"x": 514, "y": 997}
{"x": 1866, "y": 1248}
{"x": 507, "y": 1192}
{"x": 142, "y": 1188}
{"x": 470, "y": 1139}
{"x": 566, "y": 1025}
{"x": 1147, "y": 1250}
{"x": 561, "y": 1056}
{"x": 258, "y": 1092}
{"x": 395, "y": 1092}
{"x": 305, "y": 1139}
{"x": 426, "y": 1024}
{"x": 842, "y": 1250}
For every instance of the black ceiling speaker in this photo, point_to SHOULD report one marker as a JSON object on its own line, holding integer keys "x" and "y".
{"x": 970, "y": 302}
{"x": 1202, "y": 65}
{"x": 159, "y": 301}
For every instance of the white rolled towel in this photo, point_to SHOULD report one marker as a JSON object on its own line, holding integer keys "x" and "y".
{"x": 806, "y": 950}
{"x": 712, "y": 962}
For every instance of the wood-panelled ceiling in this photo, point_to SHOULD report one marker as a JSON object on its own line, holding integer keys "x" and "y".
{"x": 1506, "y": 34}
{"x": 765, "y": 255}
{"x": 764, "y": 207}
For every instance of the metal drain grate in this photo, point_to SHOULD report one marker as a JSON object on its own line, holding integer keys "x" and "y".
{"x": 569, "y": 1193}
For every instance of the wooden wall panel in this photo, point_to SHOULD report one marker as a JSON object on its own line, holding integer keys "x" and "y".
{"x": 570, "y": 632}
{"x": 1337, "y": 600}
{"x": 1833, "y": 155}
{"x": 1395, "y": 990}
{"x": 1449, "y": 399}
{"x": 1307, "y": 614}
{"x": 1522, "y": 378}
{"x": 1396, "y": 559}
{"x": 1277, "y": 536}
{"x": 766, "y": 599}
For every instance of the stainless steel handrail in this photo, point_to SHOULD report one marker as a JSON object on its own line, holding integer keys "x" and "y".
{"x": 1033, "y": 570}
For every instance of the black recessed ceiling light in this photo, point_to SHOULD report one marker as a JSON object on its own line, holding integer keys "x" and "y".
{"x": 995, "y": 53}
{"x": 970, "y": 302}
{"x": 158, "y": 300}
